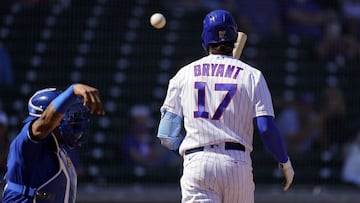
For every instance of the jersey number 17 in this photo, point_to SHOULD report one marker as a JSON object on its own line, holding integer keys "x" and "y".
{"x": 201, "y": 111}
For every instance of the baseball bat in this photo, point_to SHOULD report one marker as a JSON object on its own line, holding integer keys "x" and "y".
{"x": 239, "y": 45}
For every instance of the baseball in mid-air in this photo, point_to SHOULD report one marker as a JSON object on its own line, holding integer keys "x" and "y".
{"x": 157, "y": 20}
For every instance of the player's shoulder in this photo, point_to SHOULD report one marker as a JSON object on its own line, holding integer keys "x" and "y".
{"x": 189, "y": 65}
{"x": 24, "y": 136}
{"x": 24, "y": 131}
{"x": 185, "y": 69}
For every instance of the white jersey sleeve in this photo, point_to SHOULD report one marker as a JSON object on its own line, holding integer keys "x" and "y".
{"x": 172, "y": 101}
{"x": 262, "y": 98}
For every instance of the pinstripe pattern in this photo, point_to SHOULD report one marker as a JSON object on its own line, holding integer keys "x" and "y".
{"x": 217, "y": 175}
{"x": 224, "y": 176}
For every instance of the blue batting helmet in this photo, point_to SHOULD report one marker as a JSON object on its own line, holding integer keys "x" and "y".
{"x": 75, "y": 123}
{"x": 219, "y": 26}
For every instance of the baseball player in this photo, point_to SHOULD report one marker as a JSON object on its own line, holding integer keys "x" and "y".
{"x": 217, "y": 98}
{"x": 39, "y": 169}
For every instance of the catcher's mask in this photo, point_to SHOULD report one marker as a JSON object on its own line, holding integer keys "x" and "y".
{"x": 74, "y": 125}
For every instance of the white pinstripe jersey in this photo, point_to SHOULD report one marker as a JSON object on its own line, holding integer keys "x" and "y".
{"x": 218, "y": 97}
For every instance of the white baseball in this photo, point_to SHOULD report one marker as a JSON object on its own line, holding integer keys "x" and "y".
{"x": 157, "y": 20}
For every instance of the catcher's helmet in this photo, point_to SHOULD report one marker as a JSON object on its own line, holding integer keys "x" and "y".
{"x": 39, "y": 101}
{"x": 219, "y": 26}
{"x": 75, "y": 123}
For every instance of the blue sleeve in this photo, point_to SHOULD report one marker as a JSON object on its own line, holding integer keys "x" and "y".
{"x": 271, "y": 137}
{"x": 62, "y": 102}
{"x": 169, "y": 130}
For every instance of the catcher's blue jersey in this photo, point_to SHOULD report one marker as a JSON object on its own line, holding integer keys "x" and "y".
{"x": 42, "y": 166}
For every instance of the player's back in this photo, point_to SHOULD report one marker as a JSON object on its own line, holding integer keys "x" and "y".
{"x": 218, "y": 99}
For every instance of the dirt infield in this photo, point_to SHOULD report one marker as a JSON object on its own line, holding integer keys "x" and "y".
{"x": 263, "y": 194}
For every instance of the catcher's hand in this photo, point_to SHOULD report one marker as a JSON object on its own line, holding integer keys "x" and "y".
{"x": 288, "y": 173}
{"x": 91, "y": 98}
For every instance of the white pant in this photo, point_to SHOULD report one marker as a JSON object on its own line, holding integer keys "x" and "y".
{"x": 217, "y": 175}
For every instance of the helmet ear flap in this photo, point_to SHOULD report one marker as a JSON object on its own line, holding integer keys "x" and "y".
{"x": 203, "y": 45}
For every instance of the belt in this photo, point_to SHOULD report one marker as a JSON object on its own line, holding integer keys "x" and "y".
{"x": 22, "y": 189}
{"x": 228, "y": 146}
